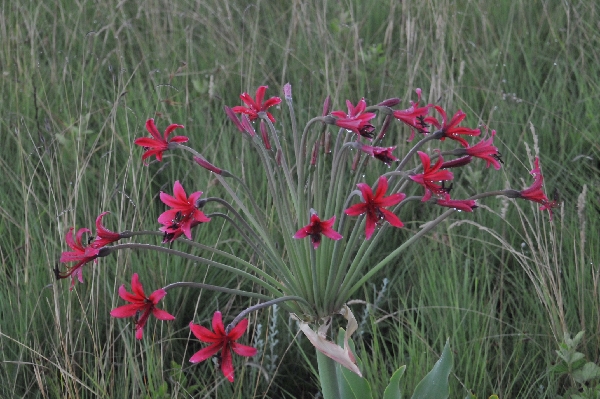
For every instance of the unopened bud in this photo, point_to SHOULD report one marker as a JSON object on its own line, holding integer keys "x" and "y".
{"x": 326, "y": 106}
{"x": 264, "y": 134}
{"x": 231, "y": 115}
{"x": 287, "y": 91}
{"x": 390, "y": 102}
{"x": 455, "y": 163}
{"x": 207, "y": 165}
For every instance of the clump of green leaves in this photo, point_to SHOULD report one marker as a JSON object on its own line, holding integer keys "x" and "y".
{"x": 584, "y": 375}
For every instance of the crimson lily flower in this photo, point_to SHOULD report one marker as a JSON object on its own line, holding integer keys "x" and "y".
{"x": 316, "y": 227}
{"x": 156, "y": 144}
{"x": 221, "y": 341}
{"x": 356, "y": 120}
{"x": 374, "y": 204}
{"x": 184, "y": 215}
{"x": 103, "y": 235}
{"x": 80, "y": 254}
{"x": 430, "y": 175}
{"x": 414, "y": 116}
{"x": 535, "y": 193}
{"x": 384, "y": 154}
{"x": 253, "y": 107}
{"x": 141, "y": 306}
{"x": 451, "y": 129}
{"x": 462, "y": 205}
{"x": 486, "y": 151}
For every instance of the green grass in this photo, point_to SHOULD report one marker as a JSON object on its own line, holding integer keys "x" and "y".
{"x": 78, "y": 80}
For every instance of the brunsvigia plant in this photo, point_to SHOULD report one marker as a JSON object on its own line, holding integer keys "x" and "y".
{"x": 317, "y": 238}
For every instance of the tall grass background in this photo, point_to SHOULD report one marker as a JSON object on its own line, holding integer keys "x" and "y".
{"x": 79, "y": 79}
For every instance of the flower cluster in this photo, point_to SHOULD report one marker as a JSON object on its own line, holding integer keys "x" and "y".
{"x": 314, "y": 278}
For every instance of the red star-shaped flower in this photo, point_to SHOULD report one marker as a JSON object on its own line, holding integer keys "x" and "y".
{"x": 316, "y": 227}
{"x": 103, "y": 235}
{"x": 80, "y": 254}
{"x": 431, "y": 175}
{"x": 184, "y": 215}
{"x": 414, "y": 116}
{"x": 535, "y": 193}
{"x": 356, "y": 120}
{"x": 486, "y": 151}
{"x": 254, "y": 106}
{"x": 451, "y": 129}
{"x": 221, "y": 341}
{"x": 374, "y": 205}
{"x": 141, "y": 306}
{"x": 157, "y": 144}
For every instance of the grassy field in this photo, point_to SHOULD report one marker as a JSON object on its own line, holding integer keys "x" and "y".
{"x": 79, "y": 79}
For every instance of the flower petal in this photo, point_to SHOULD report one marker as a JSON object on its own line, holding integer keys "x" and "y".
{"x": 204, "y": 334}
{"x": 243, "y": 350}
{"x": 239, "y": 330}
{"x": 205, "y": 353}
{"x": 126, "y": 310}
{"x": 162, "y": 314}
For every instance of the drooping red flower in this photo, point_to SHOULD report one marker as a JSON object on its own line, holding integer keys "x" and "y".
{"x": 256, "y": 105}
{"x": 80, "y": 254}
{"x": 356, "y": 120}
{"x": 221, "y": 341}
{"x": 451, "y": 129}
{"x": 461, "y": 205}
{"x": 158, "y": 144}
{"x": 431, "y": 175}
{"x": 103, "y": 235}
{"x": 384, "y": 154}
{"x": 486, "y": 151}
{"x": 535, "y": 193}
{"x": 184, "y": 215}
{"x": 141, "y": 306}
{"x": 316, "y": 227}
{"x": 414, "y": 116}
{"x": 374, "y": 205}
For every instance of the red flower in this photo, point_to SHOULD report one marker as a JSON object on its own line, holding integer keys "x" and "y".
{"x": 315, "y": 228}
{"x": 221, "y": 341}
{"x": 462, "y": 205}
{"x": 184, "y": 215}
{"x": 374, "y": 204}
{"x": 430, "y": 175}
{"x": 451, "y": 129}
{"x": 103, "y": 235}
{"x": 253, "y": 107}
{"x": 356, "y": 120}
{"x": 535, "y": 193}
{"x": 384, "y": 154}
{"x": 414, "y": 116}
{"x": 157, "y": 144}
{"x": 487, "y": 151}
{"x": 80, "y": 254}
{"x": 141, "y": 306}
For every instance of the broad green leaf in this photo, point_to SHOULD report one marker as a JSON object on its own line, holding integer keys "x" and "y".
{"x": 356, "y": 387}
{"x": 392, "y": 391}
{"x": 435, "y": 383}
{"x": 351, "y": 385}
{"x": 589, "y": 371}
